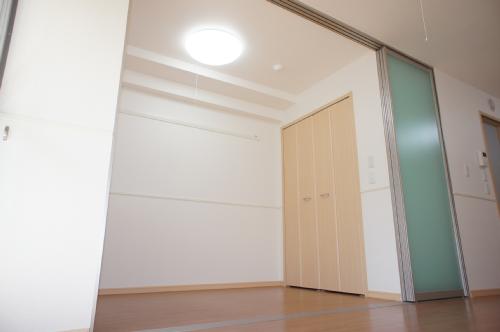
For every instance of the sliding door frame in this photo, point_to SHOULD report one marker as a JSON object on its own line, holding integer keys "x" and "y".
{"x": 397, "y": 196}
{"x": 407, "y": 286}
{"x": 382, "y": 50}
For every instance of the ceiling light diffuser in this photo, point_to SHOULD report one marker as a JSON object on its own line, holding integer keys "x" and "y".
{"x": 213, "y": 47}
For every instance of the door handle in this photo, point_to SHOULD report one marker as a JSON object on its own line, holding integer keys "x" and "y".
{"x": 307, "y": 199}
{"x": 325, "y": 195}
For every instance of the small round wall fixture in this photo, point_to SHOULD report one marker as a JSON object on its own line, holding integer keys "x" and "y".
{"x": 213, "y": 47}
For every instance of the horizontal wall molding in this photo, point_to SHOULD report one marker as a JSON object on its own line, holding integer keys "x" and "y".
{"x": 6, "y": 116}
{"x": 185, "y": 288}
{"x": 485, "y": 292}
{"x": 195, "y": 200}
{"x": 190, "y": 125}
{"x": 370, "y": 190}
{"x": 384, "y": 295}
{"x": 474, "y": 197}
{"x": 206, "y": 201}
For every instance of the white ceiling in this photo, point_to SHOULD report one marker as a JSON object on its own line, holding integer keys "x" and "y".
{"x": 464, "y": 35}
{"x": 272, "y": 35}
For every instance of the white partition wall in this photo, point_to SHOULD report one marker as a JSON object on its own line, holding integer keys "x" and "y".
{"x": 195, "y": 196}
{"x": 478, "y": 217}
{"x": 58, "y": 97}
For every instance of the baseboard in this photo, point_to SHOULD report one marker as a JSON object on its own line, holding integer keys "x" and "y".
{"x": 485, "y": 292}
{"x": 184, "y": 288}
{"x": 78, "y": 330}
{"x": 384, "y": 295}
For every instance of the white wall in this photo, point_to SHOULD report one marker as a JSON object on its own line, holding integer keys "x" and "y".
{"x": 477, "y": 213}
{"x": 233, "y": 235}
{"x": 170, "y": 240}
{"x": 361, "y": 78}
{"x": 59, "y": 97}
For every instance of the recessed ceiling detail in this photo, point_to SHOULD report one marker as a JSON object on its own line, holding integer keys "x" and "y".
{"x": 155, "y": 64}
{"x": 265, "y": 56}
{"x": 270, "y": 34}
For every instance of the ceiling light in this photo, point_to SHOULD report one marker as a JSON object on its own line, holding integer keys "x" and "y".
{"x": 213, "y": 47}
{"x": 277, "y": 67}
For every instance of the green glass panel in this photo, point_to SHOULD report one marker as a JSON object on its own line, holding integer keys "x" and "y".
{"x": 429, "y": 220}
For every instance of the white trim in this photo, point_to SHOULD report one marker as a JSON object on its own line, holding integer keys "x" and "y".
{"x": 474, "y": 196}
{"x": 50, "y": 122}
{"x": 196, "y": 200}
{"x": 190, "y": 125}
{"x": 369, "y": 190}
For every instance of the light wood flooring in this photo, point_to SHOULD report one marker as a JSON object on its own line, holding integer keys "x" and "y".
{"x": 289, "y": 309}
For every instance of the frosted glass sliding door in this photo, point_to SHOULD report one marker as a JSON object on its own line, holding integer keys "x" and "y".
{"x": 428, "y": 213}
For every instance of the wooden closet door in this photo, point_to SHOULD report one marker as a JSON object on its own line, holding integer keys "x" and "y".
{"x": 347, "y": 199}
{"x": 291, "y": 213}
{"x": 325, "y": 204}
{"x": 307, "y": 208}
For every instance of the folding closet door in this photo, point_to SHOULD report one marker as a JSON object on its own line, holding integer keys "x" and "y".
{"x": 291, "y": 212}
{"x": 307, "y": 205}
{"x": 324, "y": 246}
{"x": 352, "y": 273}
{"x": 325, "y": 204}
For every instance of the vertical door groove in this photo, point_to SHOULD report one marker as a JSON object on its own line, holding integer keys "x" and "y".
{"x": 326, "y": 221}
{"x": 291, "y": 225}
{"x": 348, "y": 199}
{"x": 307, "y": 204}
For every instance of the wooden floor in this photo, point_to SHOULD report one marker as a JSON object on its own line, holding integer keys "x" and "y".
{"x": 289, "y": 309}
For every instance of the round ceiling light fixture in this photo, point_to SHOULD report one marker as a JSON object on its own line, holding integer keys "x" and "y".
{"x": 213, "y": 47}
